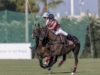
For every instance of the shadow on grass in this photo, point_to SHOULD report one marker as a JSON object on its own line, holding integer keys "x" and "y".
{"x": 60, "y": 73}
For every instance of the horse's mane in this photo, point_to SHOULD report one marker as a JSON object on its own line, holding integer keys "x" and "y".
{"x": 51, "y": 34}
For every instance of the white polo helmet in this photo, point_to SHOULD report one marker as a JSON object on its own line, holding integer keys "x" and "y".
{"x": 45, "y": 14}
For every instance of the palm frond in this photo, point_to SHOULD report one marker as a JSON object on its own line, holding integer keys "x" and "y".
{"x": 55, "y": 3}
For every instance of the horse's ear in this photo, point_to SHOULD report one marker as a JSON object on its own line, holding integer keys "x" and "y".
{"x": 38, "y": 25}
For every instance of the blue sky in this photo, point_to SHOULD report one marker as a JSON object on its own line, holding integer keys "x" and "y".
{"x": 89, "y": 5}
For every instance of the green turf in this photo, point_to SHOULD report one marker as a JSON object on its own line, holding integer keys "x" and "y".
{"x": 31, "y": 67}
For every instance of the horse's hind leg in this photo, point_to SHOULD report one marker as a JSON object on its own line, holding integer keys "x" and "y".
{"x": 75, "y": 52}
{"x": 62, "y": 61}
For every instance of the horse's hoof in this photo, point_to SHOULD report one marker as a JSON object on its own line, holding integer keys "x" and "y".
{"x": 51, "y": 72}
{"x": 74, "y": 70}
{"x": 49, "y": 69}
{"x": 72, "y": 73}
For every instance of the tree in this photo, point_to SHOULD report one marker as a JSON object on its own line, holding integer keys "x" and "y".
{"x": 18, "y": 5}
{"x": 6, "y": 4}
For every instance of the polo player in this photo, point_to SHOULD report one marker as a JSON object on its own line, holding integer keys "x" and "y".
{"x": 54, "y": 26}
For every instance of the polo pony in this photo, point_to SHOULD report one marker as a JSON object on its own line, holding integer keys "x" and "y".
{"x": 50, "y": 47}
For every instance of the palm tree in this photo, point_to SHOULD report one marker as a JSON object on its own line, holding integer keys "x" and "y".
{"x": 45, "y": 8}
{"x": 50, "y": 4}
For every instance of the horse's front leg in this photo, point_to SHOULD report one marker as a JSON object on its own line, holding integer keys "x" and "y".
{"x": 62, "y": 61}
{"x": 53, "y": 60}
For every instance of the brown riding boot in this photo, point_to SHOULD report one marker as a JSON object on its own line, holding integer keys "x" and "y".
{"x": 62, "y": 39}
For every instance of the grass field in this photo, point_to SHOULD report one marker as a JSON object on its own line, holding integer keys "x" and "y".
{"x": 31, "y": 67}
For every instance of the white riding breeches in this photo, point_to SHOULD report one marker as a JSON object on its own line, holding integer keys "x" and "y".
{"x": 60, "y": 31}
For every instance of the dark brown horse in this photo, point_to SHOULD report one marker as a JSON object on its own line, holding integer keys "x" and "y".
{"x": 42, "y": 45}
{"x": 50, "y": 45}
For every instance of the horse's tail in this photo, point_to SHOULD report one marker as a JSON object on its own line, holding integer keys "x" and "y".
{"x": 75, "y": 40}
{"x": 77, "y": 44}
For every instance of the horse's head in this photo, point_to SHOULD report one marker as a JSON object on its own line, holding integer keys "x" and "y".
{"x": 43, "y": 41}
{"x": 42, "y": 51}
{"x": 36, "y": 31}
{"x": 40, "y": 32}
